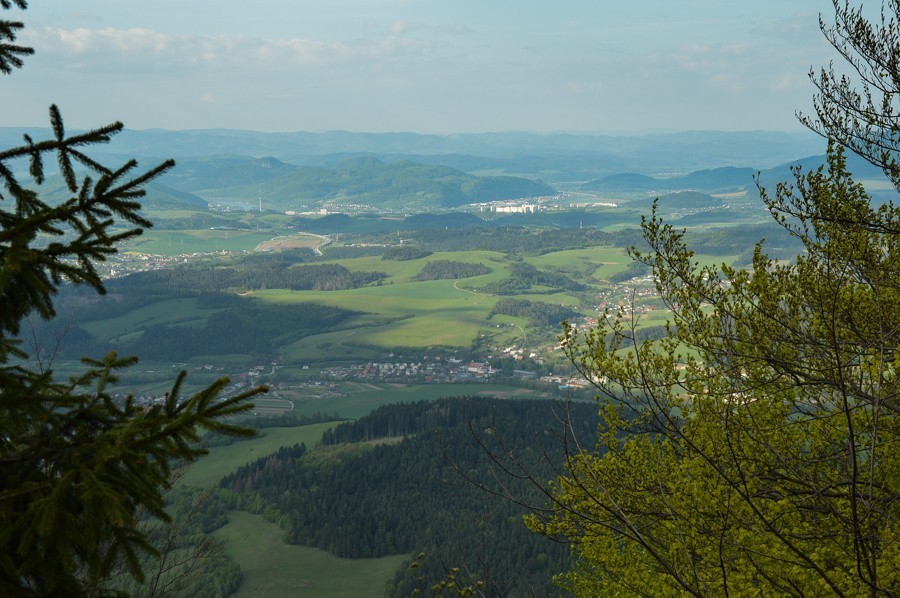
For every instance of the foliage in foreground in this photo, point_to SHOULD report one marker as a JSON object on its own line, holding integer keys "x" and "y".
{"x": 188, "y": 560}
{"x": 754, "y": 449}
{"x": 77, "y": 468}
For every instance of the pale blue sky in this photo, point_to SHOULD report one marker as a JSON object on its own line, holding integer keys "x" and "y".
{"x": 441, "y": 66}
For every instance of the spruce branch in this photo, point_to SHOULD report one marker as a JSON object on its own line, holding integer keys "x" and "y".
{"x": 11, "y": 54}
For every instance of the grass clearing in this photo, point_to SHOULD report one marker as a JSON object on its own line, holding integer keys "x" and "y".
{"x": 601, "y": 262}
{"x": 296, "y": 241}
{"x": 362, "y": 398}
{"x": 596, "y": 256}
{"x": 433, "y": 312}
{"x": 329, "y": 347}
{"x": 402, "y": 271}
{"x": 177, "y": 242}
{"x": 272, "y": 568}
{"x": 222, "y": 460}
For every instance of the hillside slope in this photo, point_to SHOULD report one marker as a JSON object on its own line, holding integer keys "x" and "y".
{"x": 362, "y": 181}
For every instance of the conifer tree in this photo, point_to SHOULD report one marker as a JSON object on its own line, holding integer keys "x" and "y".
{"x": 77, "y": 467}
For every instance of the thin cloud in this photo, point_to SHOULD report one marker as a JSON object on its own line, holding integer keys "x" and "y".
{"x": 707, "y": 49}
{"x": 150, "y": 50}
{"x": 799, "y": 24}
{"x": 789, "y": 81}
{"x": 729, "y": 83}
{"x": 710, "y": 57}
{"x": 401, "y": 27}
{"x": 405, "y": 27}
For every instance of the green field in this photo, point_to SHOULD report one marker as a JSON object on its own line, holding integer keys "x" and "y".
{"x": 395, "y": 313}
{"x": 433, "y": 312}
{"x": 272, "y": 568}
{"x": 221, "y": 461}
{"x": 176, "y": 242}
{"x": 600, "y": 261}
{"x": 403, "y": 313}
{"x": 402, "y": 271}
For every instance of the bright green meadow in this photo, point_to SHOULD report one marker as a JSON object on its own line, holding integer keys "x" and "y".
{"x": 272, "y": 568}
{"x": 222, "y": 460}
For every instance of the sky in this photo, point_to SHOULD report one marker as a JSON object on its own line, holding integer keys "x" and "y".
{"x": 428, "y": 66}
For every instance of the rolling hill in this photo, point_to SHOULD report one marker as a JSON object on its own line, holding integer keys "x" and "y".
{"x": 361, "y": 181}
{"x": 722, "y": 179}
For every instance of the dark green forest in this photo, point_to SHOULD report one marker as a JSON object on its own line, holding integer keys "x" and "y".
{"x": 525, "y": 276}
{"x": 448, "y": 269}
{"x": 226, "y": 324}
{"x": 402, "y": 253}
{"x": 251, "y": 275}
{"x": 421, "y": 478}
{"x": 250, "y": 330}
{"x": 720, "y": 239}
{"x": 539, "y": 313}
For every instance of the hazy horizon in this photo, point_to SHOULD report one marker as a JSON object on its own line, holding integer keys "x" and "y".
{"x": 585, "y": 133}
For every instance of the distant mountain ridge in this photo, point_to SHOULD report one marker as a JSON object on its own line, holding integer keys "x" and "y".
{"x": 362, "y": 181}
{"x": 561, "y": 156}
{"x": 414, "y": 173}
{"x": 718, "y": 180}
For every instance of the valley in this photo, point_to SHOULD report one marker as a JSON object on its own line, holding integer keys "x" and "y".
{"x": 449, "y": 299}
{"x": 395, "y": 337}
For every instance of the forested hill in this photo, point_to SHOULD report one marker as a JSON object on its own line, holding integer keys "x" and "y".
{"x": 405, "y": 479}
{"x": 208, "y": 317}
{"x": 403, "y": 185}
{"x": 159, "y": 196}
{"x": 248, "y": 275}
{"x": 722, "y": 179}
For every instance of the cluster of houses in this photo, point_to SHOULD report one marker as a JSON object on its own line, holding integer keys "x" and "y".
{"x": 122, "y": 264}
{"x": 449, "y": 370}
{"x": 520, "y": 353}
